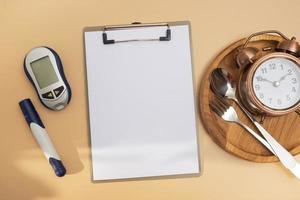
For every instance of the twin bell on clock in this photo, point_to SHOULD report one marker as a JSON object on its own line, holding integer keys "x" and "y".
{"x": 270, "y": 80}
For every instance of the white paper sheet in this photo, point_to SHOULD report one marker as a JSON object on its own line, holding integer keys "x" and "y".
{"x": 141, "y": 104}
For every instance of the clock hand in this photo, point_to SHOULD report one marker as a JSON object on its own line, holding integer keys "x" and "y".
{"x": 277, "y": 83}
{"x": 260, "y": 78}
{"x": 274, "y": 83}
{"x": 283, "y": 77}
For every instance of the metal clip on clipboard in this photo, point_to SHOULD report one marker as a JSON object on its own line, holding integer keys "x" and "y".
{"x": 167, "y": 37}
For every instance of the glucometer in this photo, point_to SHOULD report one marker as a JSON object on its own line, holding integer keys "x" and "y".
{"x": 44, "y": 69}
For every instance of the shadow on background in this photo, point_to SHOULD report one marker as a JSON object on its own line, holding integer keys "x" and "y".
{"x": 15, "y": 184}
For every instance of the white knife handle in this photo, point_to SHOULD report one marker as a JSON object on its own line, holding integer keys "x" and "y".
{"x": 258, "y": 137}
{"x": 284, "y": 156}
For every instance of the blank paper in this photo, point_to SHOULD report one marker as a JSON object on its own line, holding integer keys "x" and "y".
{"x": 141, "y": 104}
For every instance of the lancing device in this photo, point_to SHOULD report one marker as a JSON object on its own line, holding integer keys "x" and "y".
{"x": 39, "y": 132}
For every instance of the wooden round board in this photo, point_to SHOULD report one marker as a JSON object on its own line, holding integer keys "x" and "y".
{"x": 231, "y": 137}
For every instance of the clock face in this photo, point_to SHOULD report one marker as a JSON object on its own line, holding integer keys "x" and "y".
{"x": 276, "y": 83}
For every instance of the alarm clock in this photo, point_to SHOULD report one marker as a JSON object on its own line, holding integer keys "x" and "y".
{"x": 270, "y": 82}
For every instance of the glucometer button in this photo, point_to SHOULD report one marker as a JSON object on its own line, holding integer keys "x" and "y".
{"x": 48, "y": 95}
{"x": 58, "y": 91}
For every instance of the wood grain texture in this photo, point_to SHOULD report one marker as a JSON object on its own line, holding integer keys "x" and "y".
{"x": 231, "y": 137}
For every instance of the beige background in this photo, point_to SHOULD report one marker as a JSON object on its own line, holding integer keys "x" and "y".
{"x": 24, "y": 172}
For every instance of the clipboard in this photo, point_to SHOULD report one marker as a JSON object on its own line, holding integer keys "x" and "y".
{"x": 141, "y": 97}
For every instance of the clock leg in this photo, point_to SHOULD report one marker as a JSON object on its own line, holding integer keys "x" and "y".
{"x": 262, "y": 118}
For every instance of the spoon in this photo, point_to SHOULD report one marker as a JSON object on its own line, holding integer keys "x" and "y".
{"x": 222, "y": 84}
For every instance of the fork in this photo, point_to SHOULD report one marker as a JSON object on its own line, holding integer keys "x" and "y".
{"x": 228, "y": 113}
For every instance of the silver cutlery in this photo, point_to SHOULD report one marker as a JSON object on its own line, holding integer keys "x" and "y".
{"x": 228, "y": 113}
{"x": 223, "y": 86}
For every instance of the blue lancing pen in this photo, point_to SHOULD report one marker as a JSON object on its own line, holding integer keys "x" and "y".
{"x": 39, "y": 132}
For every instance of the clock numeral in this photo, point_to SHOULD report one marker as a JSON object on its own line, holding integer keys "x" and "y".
{"x": 270, "y": 100}
{"x": 257, "y": 87}
{"x": 288, "y": 97}
{"x": 294, "y": 80}
{"x": 279, "y": 102}
{"x": 272, "y": 66}
{"x": 264, "y": 70}
{"x": 290, "y": 72}
{"x": 261, "y": 95}
{"x": 281, "y": 66}
{"x": 259, "y": 78}
{"x": 293, "y": 89}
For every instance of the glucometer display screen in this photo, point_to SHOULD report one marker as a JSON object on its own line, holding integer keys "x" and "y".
{"x": 44, "y": 72}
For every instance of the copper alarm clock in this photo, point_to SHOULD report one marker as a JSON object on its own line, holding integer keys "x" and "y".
{"x": 270, "y": 82}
